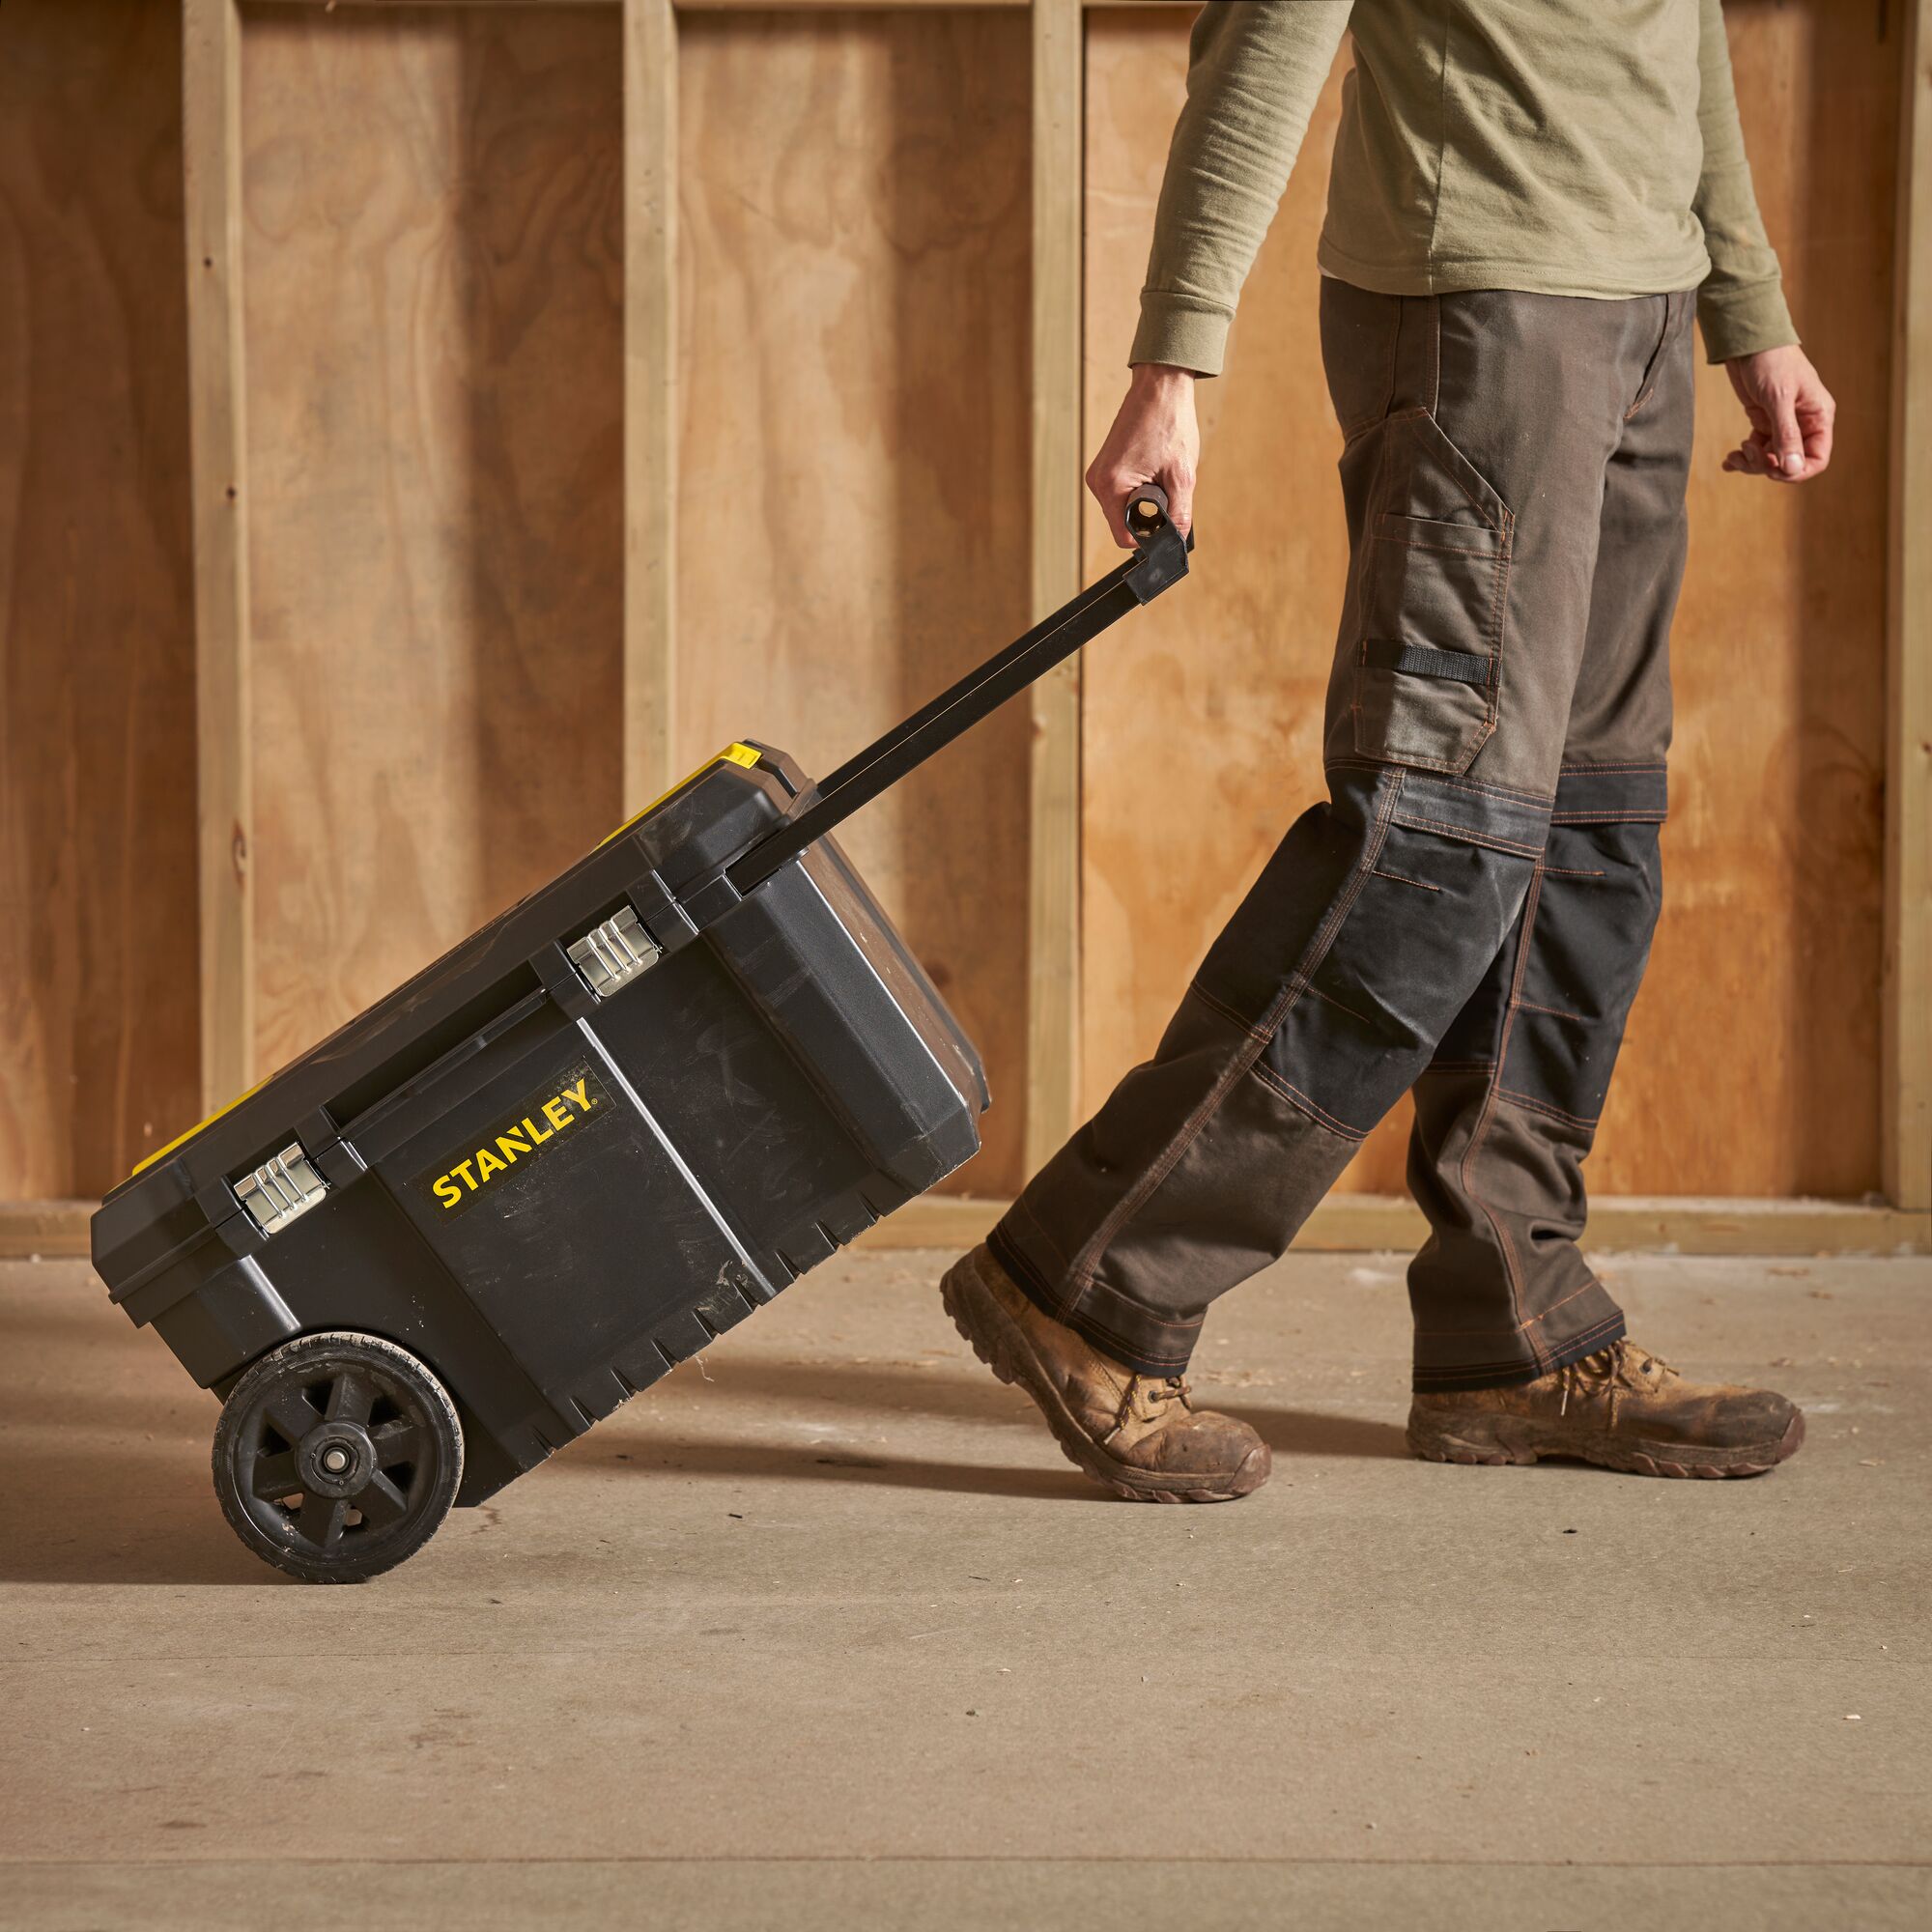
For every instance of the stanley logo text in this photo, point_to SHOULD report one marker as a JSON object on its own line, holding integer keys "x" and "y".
{"x": 558, "y": 1113}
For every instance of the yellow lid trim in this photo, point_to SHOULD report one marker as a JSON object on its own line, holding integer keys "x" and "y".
{"x": 179, "y": 1140}
{"x": 731, "y": 754}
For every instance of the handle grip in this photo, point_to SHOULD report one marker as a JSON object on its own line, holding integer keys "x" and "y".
{"x": 1148, "y": 515}
{"x": 1146, "y": 511}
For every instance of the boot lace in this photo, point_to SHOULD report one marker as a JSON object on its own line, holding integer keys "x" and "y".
{"x": 1156, "y": 1392}
{"x": 1621, "y": 1367}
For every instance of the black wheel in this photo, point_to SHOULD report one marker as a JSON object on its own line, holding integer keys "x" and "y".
{"x": 337, "y": 1457}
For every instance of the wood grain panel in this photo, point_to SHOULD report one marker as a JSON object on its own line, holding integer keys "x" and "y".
{"x": 434, "y": 301}
{"x": 1751, "y": 1065}
{"x": 854, "y": 459}
{"x": 99, "y": 1049}
{"x": 1751, "y": 1061}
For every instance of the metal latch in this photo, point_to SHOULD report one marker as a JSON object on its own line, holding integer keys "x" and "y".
{"x": 612, "y": 954}
{"x": 281, "y": 1189}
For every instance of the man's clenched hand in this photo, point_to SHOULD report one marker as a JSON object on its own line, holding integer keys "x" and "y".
{"x": 1154, "y": 439}
{"x": 1791, "y": 416}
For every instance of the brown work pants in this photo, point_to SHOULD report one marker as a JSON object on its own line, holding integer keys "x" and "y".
{"x": 1469, "y": 912}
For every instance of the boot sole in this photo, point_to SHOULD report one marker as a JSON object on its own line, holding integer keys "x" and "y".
{"x": 994, "y": 1337}
{"x": 1500, "y": 1440}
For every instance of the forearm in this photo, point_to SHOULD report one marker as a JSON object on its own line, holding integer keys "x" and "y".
{"x": 1740, "y": 305}
{"x": 1256, "y": 70}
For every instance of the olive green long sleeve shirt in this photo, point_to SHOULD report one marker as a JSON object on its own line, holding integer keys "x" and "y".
{"x": 1556, "y": 147}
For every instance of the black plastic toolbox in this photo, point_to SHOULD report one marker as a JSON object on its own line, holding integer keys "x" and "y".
{"x": 567, "y": 1155}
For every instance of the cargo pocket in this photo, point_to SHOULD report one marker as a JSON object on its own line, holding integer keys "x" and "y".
{"x": 1429, "y": 662}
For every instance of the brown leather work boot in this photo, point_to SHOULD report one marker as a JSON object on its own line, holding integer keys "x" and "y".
{"x": 1140, "y": 1435}
{"x": 1621, "y": 1408}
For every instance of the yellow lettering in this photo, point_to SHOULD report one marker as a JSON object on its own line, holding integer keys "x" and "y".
{"x": 578, "y": 1095}
{"x": 556, "y": 1114}
{"x": 462, "y": 1167}
{"x": 488, "y": 1164}
{"x": 536, "y": 1139}
{"x": 447, "y": 1191}
{"x": 510, "y": 1147}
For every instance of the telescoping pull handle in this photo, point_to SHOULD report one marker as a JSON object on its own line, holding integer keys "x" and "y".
{"x": 1159, "y": 560}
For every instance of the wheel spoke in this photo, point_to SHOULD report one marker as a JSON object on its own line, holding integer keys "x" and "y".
{"x": 352, "y": 1397}
{"x": 321, "y": 1520}
{"x": 397, "y": 1442}
{"x": 275, "y": 1476}
{"x": 382, "y": 1503}
{"x": 291, "y": 1414}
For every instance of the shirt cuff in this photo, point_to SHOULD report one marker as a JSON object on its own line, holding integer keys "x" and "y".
{"x": 1181, "y": 331}
{"x": 1743, "y": 319}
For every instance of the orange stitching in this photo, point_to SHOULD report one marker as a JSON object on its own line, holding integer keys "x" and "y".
{"x": 1416, "y": 542}
{"x": 1490, "y": 790}
{"x": 1470, "y": 837}
{"x": 1607, "y": 819}
{"x": 1339, "y": 1005}
{"x": 1574, "y": 1295}
{"x": 1584, "y": 771}
{"x": 1274, "y": 1081}
{"x": 1396, "y": 878}
{"x": 1537, "y": 1106}
{"x": 1227, "y": 1012}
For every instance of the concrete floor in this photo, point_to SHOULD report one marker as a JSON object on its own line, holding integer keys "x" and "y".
{"x": 828, "y": 1633}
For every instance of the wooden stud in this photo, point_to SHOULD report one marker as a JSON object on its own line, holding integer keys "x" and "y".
{"x": 1053, "y": 965}
{"x": 211, "y": 172}
{"x": 650, "y": 400}
{"x": 1906, "y": 1075}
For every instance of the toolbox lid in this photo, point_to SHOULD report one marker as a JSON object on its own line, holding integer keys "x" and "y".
{"x": 677, "y": 842}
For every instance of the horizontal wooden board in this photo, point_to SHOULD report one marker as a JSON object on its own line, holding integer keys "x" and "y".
{"x": 434, "y": 269}
{"x": 853, "y": 469}
{"x": 48, "y": 1230}
{"x": 99, "y": 1038}
{"x": 1750, "y": 1067}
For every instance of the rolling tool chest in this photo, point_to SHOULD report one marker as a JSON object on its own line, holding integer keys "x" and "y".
{"x": 570, "y": 1153}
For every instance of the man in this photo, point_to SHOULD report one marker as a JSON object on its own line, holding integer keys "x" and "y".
{"x": 1530, "y": 200}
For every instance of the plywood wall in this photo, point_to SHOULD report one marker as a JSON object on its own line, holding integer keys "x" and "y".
{"x": 432, "y": 268}
{"x": 97, "y": 936}
{"x": 853, "y": 507}
{"x": 433, "y": 274}
{"x": 1754, "y": 1059}
{"x": 1751, "y": 1061}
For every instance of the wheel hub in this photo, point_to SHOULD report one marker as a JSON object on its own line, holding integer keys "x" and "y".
{"x": 336, "y": 1458}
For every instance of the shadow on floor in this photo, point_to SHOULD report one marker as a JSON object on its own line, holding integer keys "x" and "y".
{"x": 884, "y": 1390}
{"x": 89, "y": 1511}
{"x": 823, "y": 1462}
{"x": 80, "y": 1508}
{"x": 1310, "y": 1432}
{"x": 956, "y": 1393}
